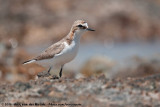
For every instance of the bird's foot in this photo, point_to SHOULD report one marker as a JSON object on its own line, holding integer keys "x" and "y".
{"x": 53, "y": 77}
{"x": 43, "y": 74}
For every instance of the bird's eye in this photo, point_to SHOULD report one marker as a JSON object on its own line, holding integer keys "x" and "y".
{"x": 80, "y": 26}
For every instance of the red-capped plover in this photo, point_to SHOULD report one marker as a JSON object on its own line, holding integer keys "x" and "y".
{"x": 64, "y": 50}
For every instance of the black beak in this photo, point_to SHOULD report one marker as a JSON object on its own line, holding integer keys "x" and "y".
{"x": 89, "y": 29}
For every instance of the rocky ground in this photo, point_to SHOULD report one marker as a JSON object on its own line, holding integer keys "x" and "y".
{"x": 85, "y": 92}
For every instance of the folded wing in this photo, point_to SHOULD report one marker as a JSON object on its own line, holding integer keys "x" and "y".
{"x": 50, "y": 52}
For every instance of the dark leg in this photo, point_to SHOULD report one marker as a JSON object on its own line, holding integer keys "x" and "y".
{"x": 60, "y": 73}
{"x": 49, "y": 69}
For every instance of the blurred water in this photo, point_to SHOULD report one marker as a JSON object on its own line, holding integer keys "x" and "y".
{"x": 116, "y": 51}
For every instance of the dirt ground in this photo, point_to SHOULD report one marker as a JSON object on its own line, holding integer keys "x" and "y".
{"x": 85, "y": 92}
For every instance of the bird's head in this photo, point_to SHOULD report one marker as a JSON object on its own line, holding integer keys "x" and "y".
{"x": 80, "y": 26}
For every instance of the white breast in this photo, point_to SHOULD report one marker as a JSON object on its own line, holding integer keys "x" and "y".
{"x": 67, "y": 54}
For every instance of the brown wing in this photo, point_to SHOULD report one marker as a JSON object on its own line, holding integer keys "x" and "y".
{"x": 51, "y": 51}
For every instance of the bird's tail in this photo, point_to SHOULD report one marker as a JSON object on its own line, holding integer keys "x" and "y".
{"x": 29, "y": 61}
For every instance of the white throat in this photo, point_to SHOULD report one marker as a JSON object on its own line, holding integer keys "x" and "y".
{"x": 77, "y": 36}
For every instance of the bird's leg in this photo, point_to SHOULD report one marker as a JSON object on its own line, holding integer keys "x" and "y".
{"x": 49, "y": 69}
{"x": 60, "y": 73}
{"x": 52, "y": 76}
{"x": 44, "y": 73}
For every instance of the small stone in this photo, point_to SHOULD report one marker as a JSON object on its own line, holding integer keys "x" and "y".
{"x": 22, "y": 86}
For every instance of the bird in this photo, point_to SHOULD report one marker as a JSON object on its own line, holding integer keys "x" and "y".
{"x": 63, "y": 51}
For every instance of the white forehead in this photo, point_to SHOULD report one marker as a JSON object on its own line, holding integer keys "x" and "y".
{"x": 85, "y": 24}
